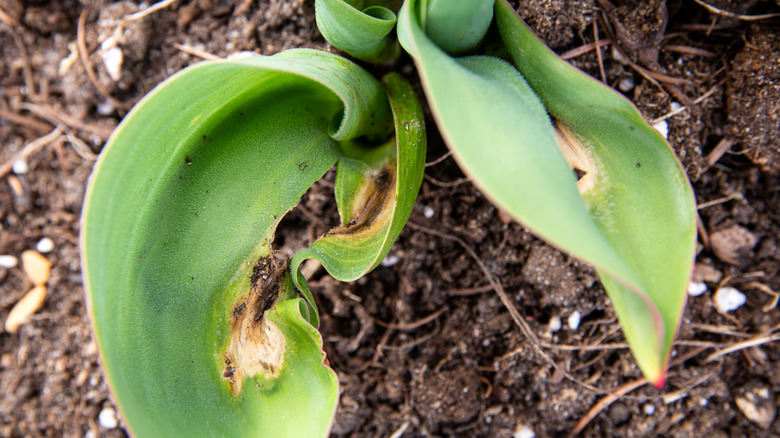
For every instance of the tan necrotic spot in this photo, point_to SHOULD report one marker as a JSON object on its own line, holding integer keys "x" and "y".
{"x": 256, "y": 344}
{"x": 373, "y": 206}
{"x": 579, "y": 158}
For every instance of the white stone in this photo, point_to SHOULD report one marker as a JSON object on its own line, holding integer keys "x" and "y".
{"x": 728, "y": 299}
{"x": 241, "y": 55}
{"x": 574, "y": 320}
{"x": 675, "y": 106}
{"x": 105, "y": 108}
{"x": 649, "y": 409}
{"x": 523, "y": 431}
{"x": 554, "y": 324}
{"x": 20, "y": 166}
{"x": 45, "y": 245}
{"x": 107, "y": 418}
{"x": 390, "y": 260}
{"x": 112, "y": 59}
{"x": 662, "y": 127}
{"x": 8, "y": 261}
{"x": 428, "y": 212}
{"x": 696, "y": 288}
{"x": 626, "y": 84}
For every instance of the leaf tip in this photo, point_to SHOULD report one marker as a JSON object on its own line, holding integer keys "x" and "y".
{"x": 660, "y": 381}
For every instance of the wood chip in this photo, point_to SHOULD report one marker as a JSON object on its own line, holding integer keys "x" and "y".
{"x": 36, "y": 266}
{"x": 22, "y": 311}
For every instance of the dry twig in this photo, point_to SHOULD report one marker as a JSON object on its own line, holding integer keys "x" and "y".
{"x": 728, "y": 14}
{"x": 439, "y": 160}
{"x": 752, "y": 342}
{"x": 29, "y": 149}
{"x": 579, "y": 51}
{"x": 202, "y": 54}
{"x": 446, "y": 184}
{"x": 411, "y": 325}
{"x": 598, "y": 51}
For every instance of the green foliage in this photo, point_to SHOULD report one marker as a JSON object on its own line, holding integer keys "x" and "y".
{"x": 518, "y": 130}
{"x": 177, "y": 225}
{"x": 203, "y": 332}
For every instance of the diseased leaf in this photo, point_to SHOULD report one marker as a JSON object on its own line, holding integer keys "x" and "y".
{"x": 376, "y": 200}
{"x": 177, "y": 225}
{"x": 502, "y": 137}
{"x": 634, "y": 187}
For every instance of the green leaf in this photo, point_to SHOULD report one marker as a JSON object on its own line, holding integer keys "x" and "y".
{"x": 457, "y": 26}
{"x": 377, "y": 200}
{"x": 361, "y": 30}
{"x": 502, "y": 137}
{"x": 634, "y": 187}
{"x": 177, "y": 224}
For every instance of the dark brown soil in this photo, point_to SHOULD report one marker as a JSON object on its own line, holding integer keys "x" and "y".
{"x": 423, "y": 346}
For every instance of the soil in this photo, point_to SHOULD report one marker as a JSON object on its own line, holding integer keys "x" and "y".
{"x": 423, "y": 346}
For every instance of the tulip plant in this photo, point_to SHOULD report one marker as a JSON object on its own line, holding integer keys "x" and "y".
{"x": 204, "y": 330}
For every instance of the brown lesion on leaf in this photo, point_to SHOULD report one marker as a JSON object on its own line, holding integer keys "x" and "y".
{"x": 373, "y": 206}
{"x": 256, "y": 343}
{"x": 581, "y": 160}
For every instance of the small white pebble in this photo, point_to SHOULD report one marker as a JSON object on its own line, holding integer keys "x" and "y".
{"x": 675, "y": 106}
{"x": 728, "y": 299}
{"x": 8, "y": 261}
{"x": 241, "y": 55}
{"x": 696, "y": 288}
{"x": 649, "y": 409}
{"x": 703, "y": 402}
{"x": 428, "y": 212}
{"x": 20, "y": 166}
{"x": 105, "y": 108}
{"x": 626, "y": 84}
{"x": 390, "y": 260}
{"x": 523, "y": 431}
{"x": 574, "y": 320}
{"x": 554, "y": 324}
{"x": 89, "y": 434}
{"x": 107, "y": 418}
{"x": 45, "y": 245}
{"x": 663, "y": 128}
{"x": 112, "y": 60}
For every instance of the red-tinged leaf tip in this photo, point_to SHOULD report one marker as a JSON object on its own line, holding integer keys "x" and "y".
{"x": 661, "y": 381}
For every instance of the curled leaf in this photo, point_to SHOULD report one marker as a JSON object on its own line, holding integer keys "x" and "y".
{"x": 374, "y": 201}
{"x": 457, "y": 26}
{"x": 178, "y": 221}
{"x": 362, "y": 30}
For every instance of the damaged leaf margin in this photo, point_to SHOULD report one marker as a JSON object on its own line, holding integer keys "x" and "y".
{"x": 639, "y": 196}
{"x": 377, "y": 200}
{"x": 184, "y": 201}
{"x": 632, "y": 213}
